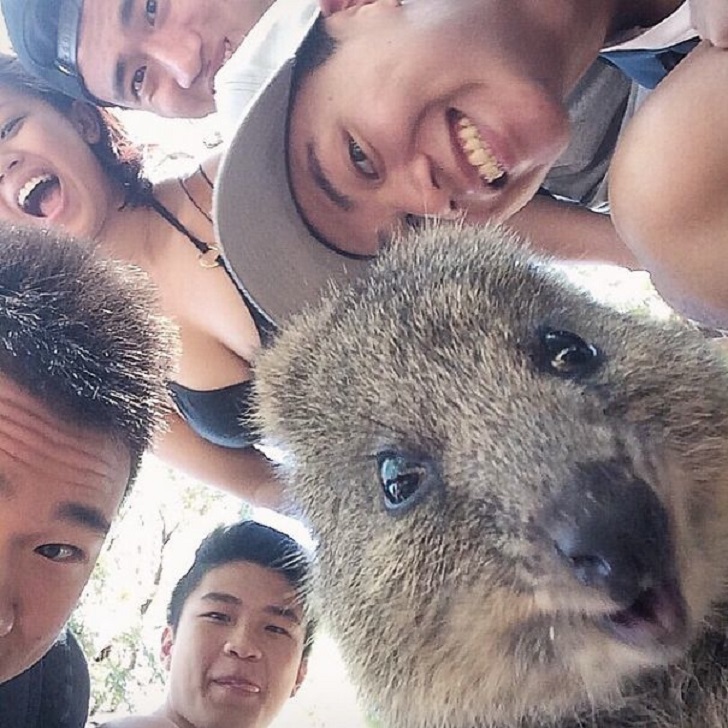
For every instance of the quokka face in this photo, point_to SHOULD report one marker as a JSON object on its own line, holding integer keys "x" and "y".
{"x": 520, "y": 496}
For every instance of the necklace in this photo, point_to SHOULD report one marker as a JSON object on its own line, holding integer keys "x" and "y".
{"x": 209, "y": 255}
{"x": 189, "y": 196}
{"x": 205, "y": 177}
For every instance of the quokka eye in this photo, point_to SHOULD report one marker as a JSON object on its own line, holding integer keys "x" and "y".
{"x": 566, "y": 354}
{"x": 405, "y": 480}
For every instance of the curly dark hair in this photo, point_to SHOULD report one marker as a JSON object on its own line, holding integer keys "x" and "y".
{"x": 120, "y": 159}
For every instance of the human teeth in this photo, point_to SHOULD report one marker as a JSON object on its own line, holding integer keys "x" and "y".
{"x": 29, "y": 186}
{"x": 477, "y": 152}
{"x": 478, "y": 157}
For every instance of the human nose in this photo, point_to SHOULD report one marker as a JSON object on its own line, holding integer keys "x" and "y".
{"x": 243, "y": 644}
{"x": 179, "y": 55}
{"x": 417, "y": 188}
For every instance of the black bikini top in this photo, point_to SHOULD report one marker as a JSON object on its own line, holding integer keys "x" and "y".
{"x": 221, "y": 416}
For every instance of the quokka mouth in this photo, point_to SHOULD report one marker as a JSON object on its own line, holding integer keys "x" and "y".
{"x": 477, "y": 152}
{"x": 657, "y": 619}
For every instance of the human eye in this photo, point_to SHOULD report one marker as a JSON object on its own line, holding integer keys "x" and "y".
{"x": 150, "y": 10}
{"x": 11, "y": 126}
{"x": 361, "y": 162}
{"x": 137, "y": 82}
{"x": 216, "y": 616}
{"x": 277, "y": 629}
{"x": 61, "y": 553}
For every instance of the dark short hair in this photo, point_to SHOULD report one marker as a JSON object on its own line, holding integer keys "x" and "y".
{"x": 44, "y": 34}
{"x": 81, "y": 334}
{"x": 317, "y": 47}
{"x": 252, "y": 542}
{"x": 120, "y": 159}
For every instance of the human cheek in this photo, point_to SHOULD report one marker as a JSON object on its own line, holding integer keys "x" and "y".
{"x": 55, "y": 593}
{"x": 44, "y": 606}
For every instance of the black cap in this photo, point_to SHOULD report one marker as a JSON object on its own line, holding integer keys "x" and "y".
{"x": 44, "y": 34}
{"x": 53, "y": 693}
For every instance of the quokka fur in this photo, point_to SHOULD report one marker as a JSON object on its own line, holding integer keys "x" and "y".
{"x": 519, "y": 495}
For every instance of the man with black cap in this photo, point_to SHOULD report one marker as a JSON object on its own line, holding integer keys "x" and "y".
{"x": 84, "y": 358}
{"x": 155, "y": 55}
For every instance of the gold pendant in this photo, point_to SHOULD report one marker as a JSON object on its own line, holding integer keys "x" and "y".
{"x": 210, "y": 258}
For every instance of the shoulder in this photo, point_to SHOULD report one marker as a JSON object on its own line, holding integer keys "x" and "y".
{"x": 191, "y": 191}
{"x": 203, "y": 173}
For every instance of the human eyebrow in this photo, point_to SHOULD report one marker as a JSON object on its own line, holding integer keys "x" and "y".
{"x": 223, "y": 597}
{"x": 285, "y": 612}
{"x": 87, "y": 517}
{"x": 126, "y": 12}
{"x": 316, "y": 171}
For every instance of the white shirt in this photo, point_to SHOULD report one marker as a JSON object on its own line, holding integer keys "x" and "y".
{"x": 272, "y": 41}
{"x": 675, "y": 28}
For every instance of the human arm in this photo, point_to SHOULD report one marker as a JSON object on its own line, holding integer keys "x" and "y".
{"x": 710, "y": 19}
{"x": 571, "y": 232}
{"x": 669, "y": 186}
{"x": 246, "y": 473}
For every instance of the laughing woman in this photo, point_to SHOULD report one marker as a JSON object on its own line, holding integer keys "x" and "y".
{"x": 66, "y": 163}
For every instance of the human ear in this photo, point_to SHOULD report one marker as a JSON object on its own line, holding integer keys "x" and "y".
{"x": 86, "y": 120}
{"x": 165, "y": 651}
{"x": 330, "y": 7}
{"x": 301, "y": 675}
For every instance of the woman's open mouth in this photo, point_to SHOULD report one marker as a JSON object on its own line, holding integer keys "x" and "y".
{"x": 40, "y": 196}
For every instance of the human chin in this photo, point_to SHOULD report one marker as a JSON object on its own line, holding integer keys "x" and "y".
{"x": 185, "y": 105}
{"x": 17, "y": 654}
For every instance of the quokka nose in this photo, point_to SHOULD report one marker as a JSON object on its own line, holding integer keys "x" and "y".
{"x": 612, "y": 532}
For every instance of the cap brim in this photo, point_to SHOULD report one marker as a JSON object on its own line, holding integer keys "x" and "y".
{"x": 268, "y": 249}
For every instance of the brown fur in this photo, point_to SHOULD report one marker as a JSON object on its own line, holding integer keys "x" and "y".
{"x": 461, "y": 612}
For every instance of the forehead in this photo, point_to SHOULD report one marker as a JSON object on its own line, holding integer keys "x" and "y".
{"x": 252, "y": 585}
{"x": 10, "y": 95}
{"x": 101, "y": 39}
{"x": 44, "y": 454}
